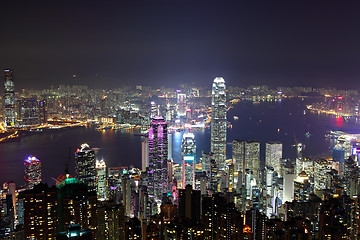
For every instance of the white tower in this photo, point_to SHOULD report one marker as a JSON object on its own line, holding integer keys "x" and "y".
{"x": 218, "y": 122}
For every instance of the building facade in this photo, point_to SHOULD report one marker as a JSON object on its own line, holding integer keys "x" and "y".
{"x": 246, "y": 155}
{"x": 9, "y": 99}
{"x": 85, "y": 166}
{"x": 158, "y": 153}
{"x": 273, "y": 155}
{"x": 218, "y": 122}
{"x": 188, "y": 153}
{"x": 32, "y": 169}
{"x": 101, "y": 182}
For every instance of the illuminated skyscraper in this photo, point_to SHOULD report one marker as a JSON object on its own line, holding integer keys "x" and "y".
{"x": 9, "y": 99}
{"x": 273, "y": 155}
{"x": 144, "y": 154}
{"x": 218, "y": 122}
{"x": 158, "y": 154}
{"x": 85, "y": 166}
{"x": 181, "y": 102}
{"x": 40, "y": 212}
{"x": 43, "y": 112}
{"x": 302, "y": 187}
{"x": 321, "y": 169}
{"x": 188, "y": 152}
{"x": 29, "y": 111}
{"x": 246, "y": 155}
{"x": 154, "y": 110}
{"x": 32, "y": 169}
{"x": 101, "y": 180}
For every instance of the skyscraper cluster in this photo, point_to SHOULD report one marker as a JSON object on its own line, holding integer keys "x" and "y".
{"x": 22, "y": 112}
{"x": 254, "y": 194}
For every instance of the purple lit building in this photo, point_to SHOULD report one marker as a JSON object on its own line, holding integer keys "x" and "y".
{"x": 158, "y": 153}
{"x": 32, "y": 169}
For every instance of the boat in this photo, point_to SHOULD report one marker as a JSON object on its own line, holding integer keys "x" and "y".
{"x": 236, "y": 118}
{"x": 36, "y": 130}
{"x": 307, "y": 134}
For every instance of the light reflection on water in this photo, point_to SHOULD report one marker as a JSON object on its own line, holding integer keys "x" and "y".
{"x": 262, "y": 122}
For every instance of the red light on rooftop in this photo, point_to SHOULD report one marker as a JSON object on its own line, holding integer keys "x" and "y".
{"x": 340, "y": 97}
{"x": 340, "y": 109}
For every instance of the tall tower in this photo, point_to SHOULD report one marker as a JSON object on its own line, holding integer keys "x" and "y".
{"x": 9, "y": 99}
{"x": 85, "y": 166}
{"x": 218, "y": 122}
{"x": 144, "y": 154}
{"x": 158, "y": 154}
{"x": 246, "y": 155}
{"x": 101, "y": 180}
{"x": 273, "y": 155}
{"x": 29, "y": 111}
{"x": 32, "y": 169}
{"x": 188, "y": 152}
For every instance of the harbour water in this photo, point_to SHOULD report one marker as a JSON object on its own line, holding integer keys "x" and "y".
{"x": 284, "y": 121}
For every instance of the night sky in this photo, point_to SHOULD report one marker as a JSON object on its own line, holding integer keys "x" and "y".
{"x": 109, "y": 44}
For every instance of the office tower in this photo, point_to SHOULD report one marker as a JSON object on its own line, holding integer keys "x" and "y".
{"x": 304, "y": 164}
{"x": 127, "y": 199}
{"x": 351, "y": 176}
{"x": 8, "y": 209}
{"x": 246, "y": 155}
{"x": 342, "y": 150}
{"x": 269, "y": 183}
{"x": 101, "y": 180}
{"x": 273, "y": 155}
{"x": 170, "y": 172}
{"x": 76, "y": 205}
{"x": 158, "y": 153}
{"x": 144, "y": 154}
{"x": 29, "y": 111}
{"x": 288, "y": 181}
{"x": 42, "y": 111}
{"x": 170, "y": 146}
{"x": 154, "y": 110}
{"x": 189, "y": 203}
{"x": 255, "y": 220}
{"x": 85, "y": 166}
{"x": 40, "y": 212}
{"x": 108, "y": 221}
{"x": 188, "y": 153}
{"x": 321, "y": 169}
{"x": 218, "y": 122}
{"x": 220, "y": 219}
{"x": 302, "y": 187}
{"x": 214, "y": 178}
{"x": 32, "y": 168}
{"x": 9, "y": 99}
{"x": 115, "y": 176}
{"x": 181, "y": 102}
{"x": 177, "y": 174}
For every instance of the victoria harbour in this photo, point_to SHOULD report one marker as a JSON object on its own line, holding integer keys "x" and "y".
{"x": 286, "y": 121}
{"x": 179, "y": 120}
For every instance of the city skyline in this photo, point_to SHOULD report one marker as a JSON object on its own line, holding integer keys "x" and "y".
{"x": 111, "y": 128}
{"x": 163, "y": 43}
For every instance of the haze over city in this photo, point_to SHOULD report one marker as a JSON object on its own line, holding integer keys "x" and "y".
{"x": 108, "y": 44}
{"x": 202, "y": 120}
